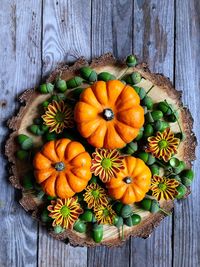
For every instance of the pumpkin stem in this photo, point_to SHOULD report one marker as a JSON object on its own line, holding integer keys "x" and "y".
{"x": 127, "y": 180}
{"x": 108, "y": 114}
{"x": 59, "y": 166}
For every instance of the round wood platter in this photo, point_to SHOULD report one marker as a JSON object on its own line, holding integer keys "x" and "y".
{"x": 30, "y": 101}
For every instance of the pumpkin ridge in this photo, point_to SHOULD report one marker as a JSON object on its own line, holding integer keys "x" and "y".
{"x": 86, "y": 100}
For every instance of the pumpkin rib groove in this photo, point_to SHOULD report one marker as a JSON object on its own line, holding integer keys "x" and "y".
{"x": 86, "y": 100}
{"x": 60, "y": 181}
{"x": 134, "y": 168}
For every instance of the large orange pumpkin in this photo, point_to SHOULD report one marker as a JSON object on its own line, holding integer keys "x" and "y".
{"x": 132, "y": 183}
{"x": 109, "y": 114}
{"x": 62, "y": 168}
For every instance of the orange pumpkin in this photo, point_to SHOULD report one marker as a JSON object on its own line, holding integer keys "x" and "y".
{"x": 62, "y": 168}
{"x": 109, "y": 114}
{"x": 132, "y": 183}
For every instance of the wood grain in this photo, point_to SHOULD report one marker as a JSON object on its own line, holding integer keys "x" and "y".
{"x": 20, "y": 68}
{"x": 66, "y": 37}
{"x": 186, "y": 232}
{"x": 66, "y": 32}
{"x": 73, "y": 28}
{"x": 153, "y": 42}
{"x": 111, "y": 31}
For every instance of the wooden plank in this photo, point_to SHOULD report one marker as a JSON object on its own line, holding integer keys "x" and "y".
{"x": 187, "y": 213}
{"x": 20, "y": 69}
{"x": 66, "y": 37}
{"x": 153, "y": 42}
{"x": 66, "y": 32}
{"x": 111, "y": 32}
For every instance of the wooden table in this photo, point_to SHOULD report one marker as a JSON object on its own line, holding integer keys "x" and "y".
{"x": 34, "y": 36}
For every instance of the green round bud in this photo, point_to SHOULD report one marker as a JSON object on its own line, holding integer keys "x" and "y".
{"x": 117, "y": 207}
{"x": 154, "y": 169}
{"x": 136, "y": 77}
{"x": 131, "y": 61}
{"x": 130, "y": 148}
{"x": 136, "y": 219}
{"x": 128, "y": 221}
{"x": 174, "y": 162}
{"x": 144, "y": 156}
{"x": 157, "y": 115}
{"x": 97, "y": 233}
{"x": 188, "y": 174}
{"x": 148, "y": 102}
{"x": 181, "y": 191}
{"x": 151, "y": 160}
{"x": 140, "y": 134}
{"x": 88, "y": 74}
{"x": 27, "y": 180}
{"x": 50, "y": 136}
{"x": 142, "y": 93}
{"x": 126, "y": 211}
{"x": 105, "y": 76}
{"x": 118, "y": 221}
{"x": 58, "y": 229}
{"x": 22, "y": 154}
{"x": 148, "y": 130}
{"x": 180, "y": 167}
{"x": 146, "y": 204}
{"x": 164, "y": 107}
{"x": 46, "y": 88}
{"x": 148, "y": 117}
{"x": 74, "y": 82}
{"x": 80, "y": 226}
{"x": 61, "y": 85}
{"x": 25, "y": 142}
{"x": 86, "y": 216}
{"x": 35, "y": 129}
{"x": 45, "y": 104}
{"x": 155, "y": 207}
{"x": 160, "y": 126}
{"x": 77, "y": 92}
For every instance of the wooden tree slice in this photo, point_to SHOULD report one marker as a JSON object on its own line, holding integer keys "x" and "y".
{"x": 31, "y": 99}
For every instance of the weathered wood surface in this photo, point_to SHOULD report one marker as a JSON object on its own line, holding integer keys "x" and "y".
{"x": 34, "y": 37}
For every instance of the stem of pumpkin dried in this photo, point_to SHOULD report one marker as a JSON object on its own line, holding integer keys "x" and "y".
{"x": 150, "y": 89}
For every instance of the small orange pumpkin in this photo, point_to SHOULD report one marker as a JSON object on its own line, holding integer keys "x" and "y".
{"x": 132, "y": 183}
{"x": 62, "y": 168}
{"x": 109, "y": 114}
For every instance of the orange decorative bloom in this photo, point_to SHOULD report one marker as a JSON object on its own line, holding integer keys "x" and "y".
{"x": 163, "y": 145}
{"x": 104, "y": 214}
{"x": 95, "y": 196}
{"x": 58, "y": 116}
{"x": 65, "y": 212}
{"x": 106, "y": 163}
{"x": 163, "y": 188}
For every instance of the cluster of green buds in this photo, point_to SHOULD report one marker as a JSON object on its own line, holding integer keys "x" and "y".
{"x": 88, "y": 74}
{"x": 26, "y": 143}
{"x": 177, "y": 170}
{"x": 125, "y": 215}
{"x": 81, "y": 225}
{"x": 168, "y": 111}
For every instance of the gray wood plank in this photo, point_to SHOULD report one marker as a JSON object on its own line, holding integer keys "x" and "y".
{"x": 66, "y": 37}
{"x": 153, "y": 42}
{"x": 20, "y": 69}
{"x": 111, "y": 32}
{"x": 187, "y": 213}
